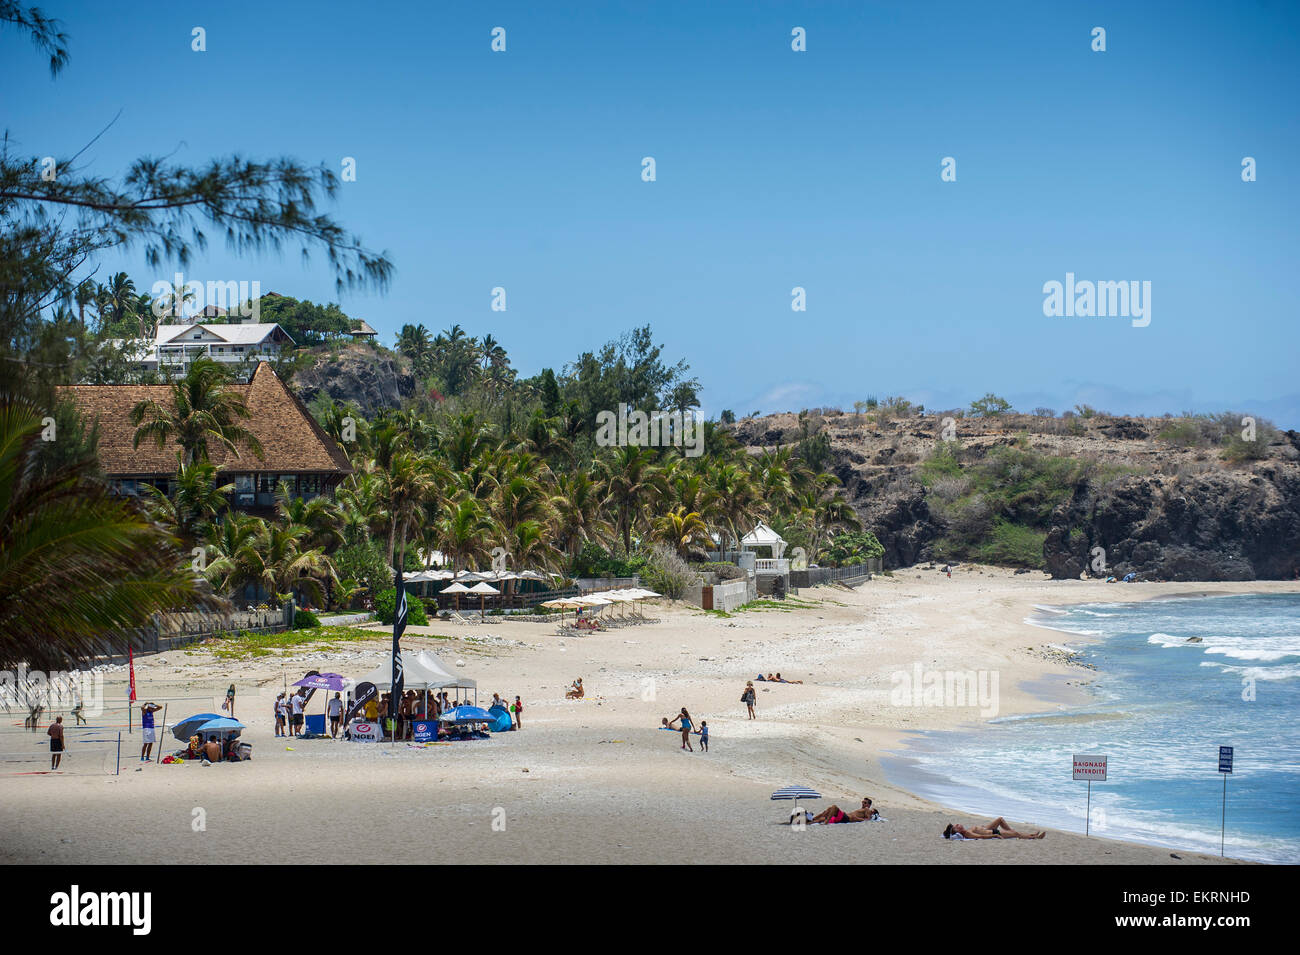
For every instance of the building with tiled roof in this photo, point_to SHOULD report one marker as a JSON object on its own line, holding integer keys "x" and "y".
{"x": 295, "y": 448}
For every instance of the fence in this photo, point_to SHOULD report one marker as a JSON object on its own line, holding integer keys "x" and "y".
{"x": 170, "y": 631}
{"x": 820, "y": 575}
{"x": 586, "y": 584}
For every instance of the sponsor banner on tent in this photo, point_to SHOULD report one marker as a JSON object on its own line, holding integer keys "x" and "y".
{"x": 365, "y": 732}
{"x": 425, "y": 731}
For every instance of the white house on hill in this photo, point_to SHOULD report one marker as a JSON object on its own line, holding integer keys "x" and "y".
{"x": 176, "y": 346}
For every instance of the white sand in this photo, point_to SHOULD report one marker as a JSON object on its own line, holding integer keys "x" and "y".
{"x": 595, "y": 780}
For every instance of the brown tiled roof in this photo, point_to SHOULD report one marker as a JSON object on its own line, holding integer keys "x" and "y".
{"x": 292, "y": 441}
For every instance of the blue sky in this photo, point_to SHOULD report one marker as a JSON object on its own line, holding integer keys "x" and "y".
{"x": 775, "y": 169}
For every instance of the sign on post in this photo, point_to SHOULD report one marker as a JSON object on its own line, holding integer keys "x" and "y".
{"x": 1089, "y": 768}
{"x": 1225, "y": 767}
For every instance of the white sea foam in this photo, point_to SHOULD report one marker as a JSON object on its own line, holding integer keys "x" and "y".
{"x": 1286, "y": 672}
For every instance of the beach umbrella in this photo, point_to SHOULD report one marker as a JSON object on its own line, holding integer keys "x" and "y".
{"x": 222, "y": 725}
{"x": 796, "y": 793}
{"x": 186, "y": 727}
{"x": 457, "y": 589}
{"x": 483, "y": 589}
{"x": 326, "y": 682}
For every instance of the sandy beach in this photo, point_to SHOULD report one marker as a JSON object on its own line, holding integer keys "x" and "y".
{"x": 595, "y": 780}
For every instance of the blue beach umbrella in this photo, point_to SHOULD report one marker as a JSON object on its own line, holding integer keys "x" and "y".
{"x": 467, "y": 714}
{"x": 222, "y": 725}
{"x": 796, "y": 793}
{"x": 186, "y": 727}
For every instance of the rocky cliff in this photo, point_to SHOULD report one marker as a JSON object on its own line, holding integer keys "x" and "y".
{"x": 1154, "y": 508}
{"x": 369, "y": 379}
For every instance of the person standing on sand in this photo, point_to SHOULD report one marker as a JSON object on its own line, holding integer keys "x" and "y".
{"x": 229, "y": 705}
{"x": 336, "y": 712}
{"x": 748, "y": 698}
{"x": 686, "y": 727}
{"x": 55, "y": 733}
{"x": 518, "y": 709}
{"x": 147, "y": 728}
{"x": 295, "y": 726}
{"x": 704, "y": 736}
{"x": 281, "y": 717}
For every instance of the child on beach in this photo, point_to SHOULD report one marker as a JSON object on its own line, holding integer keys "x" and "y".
{"x": 704, "y": 736}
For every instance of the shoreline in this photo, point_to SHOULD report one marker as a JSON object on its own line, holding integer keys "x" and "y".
{"x": 911, "y": 765}
{"x": 594, "y": 780}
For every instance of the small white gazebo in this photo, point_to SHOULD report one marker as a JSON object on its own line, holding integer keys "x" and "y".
{"x": 764, "y": 536}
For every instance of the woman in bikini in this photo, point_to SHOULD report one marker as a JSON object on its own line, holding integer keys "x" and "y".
{"x": 997, "y": 829}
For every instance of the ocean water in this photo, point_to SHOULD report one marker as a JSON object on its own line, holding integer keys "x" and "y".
{"x": 1162, "y": 706}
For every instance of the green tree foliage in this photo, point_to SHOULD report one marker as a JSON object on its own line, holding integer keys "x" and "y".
{"x": 990, "y": 406}
{"x": 386, "y": 608}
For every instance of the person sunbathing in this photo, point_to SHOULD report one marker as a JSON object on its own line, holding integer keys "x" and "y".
{"x": 997, "y": 829}
{"x": 779, "y": 679}
{"x": 576, "y": 692}
{"x": 833, "y": 814}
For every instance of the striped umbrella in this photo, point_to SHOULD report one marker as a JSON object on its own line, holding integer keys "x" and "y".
{"x": 796, "y": 793}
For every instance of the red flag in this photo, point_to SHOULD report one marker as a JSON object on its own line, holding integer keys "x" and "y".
{"x": 130, "y": 657}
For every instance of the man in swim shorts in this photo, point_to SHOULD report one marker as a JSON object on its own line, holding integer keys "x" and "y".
{"x": 833, "y": 814}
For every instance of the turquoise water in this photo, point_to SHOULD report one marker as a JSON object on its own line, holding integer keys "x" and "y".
{"x": 1162, "y": 706}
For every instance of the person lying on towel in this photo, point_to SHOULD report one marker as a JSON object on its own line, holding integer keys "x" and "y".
{"x": 997, "y": 829}
{"x": 834, "y": 814}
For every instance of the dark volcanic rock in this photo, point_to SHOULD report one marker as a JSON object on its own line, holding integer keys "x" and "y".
{"x": 369, "y": 380}
{"x": 1228, "y": 525}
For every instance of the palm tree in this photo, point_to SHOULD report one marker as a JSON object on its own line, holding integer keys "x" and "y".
{"x": 408, "y": 483}
{"x": 464, "y": 532}
{"x": 528, "y": 546}
{"x": 631, "y": 478}
{"x": 117, "y": 301}
{"x": 194, "y": 502}
{"x": 578, "y": 506}
{"x": 322, "y": 516}
{"x": 174, "y": 299}
{"x": 736, "y": 502}
{"x": 86, "y": 293}
{"x": 77, "y": 562}
{"x": 290, "y": 566}
{"x": 233, "y": 558}
{"x": 679, "y": 529}
{"x": 201, "y": 412}
{"x": 275, "y": 557}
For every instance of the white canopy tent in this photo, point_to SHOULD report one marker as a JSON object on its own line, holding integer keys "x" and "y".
{"x": 415, "y": 675}
{"x": 431, "y": 663}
